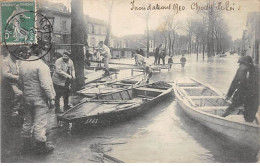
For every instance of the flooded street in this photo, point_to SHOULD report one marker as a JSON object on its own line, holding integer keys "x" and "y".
{"x": 163, "y": 134}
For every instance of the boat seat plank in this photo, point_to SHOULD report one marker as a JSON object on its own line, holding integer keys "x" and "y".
{"x": 212, "y": 108}
{"x": 187, "y": 84}
{"x": 193, "y": 87}
{"x": 143, "y": 96}
{"x": 124, "y": 84}
{"x": 150, "y": 89}
{"x": 206, "y": 97}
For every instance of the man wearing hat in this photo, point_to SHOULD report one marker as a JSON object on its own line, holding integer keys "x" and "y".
{"x": 63, "y": 74}
{"x": 105, "y": 52}
{"x": 244, "y": 89}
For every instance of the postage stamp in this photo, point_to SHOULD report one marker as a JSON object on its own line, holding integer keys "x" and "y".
{"x": 17, "y": 23}
{"x": 24, "y": 29}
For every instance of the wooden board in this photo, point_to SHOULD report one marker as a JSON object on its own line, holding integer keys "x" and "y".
{"x": 95, "y": 76}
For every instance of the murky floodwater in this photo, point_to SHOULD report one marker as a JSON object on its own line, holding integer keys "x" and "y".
{"x": 163, "y": 134}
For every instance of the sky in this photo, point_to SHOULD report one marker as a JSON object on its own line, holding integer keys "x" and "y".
{"x": 126, "y": 21}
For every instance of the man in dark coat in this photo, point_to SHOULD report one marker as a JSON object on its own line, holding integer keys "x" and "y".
{"x": 162, "y": 55}
{"x": 156, "y": 54}
{"x": 244, "y": 89}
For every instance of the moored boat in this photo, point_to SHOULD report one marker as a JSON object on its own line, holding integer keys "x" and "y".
{"x": 93, "y": 90}
{"x": 206, "y": 105}
{"x": 117, "y": 106}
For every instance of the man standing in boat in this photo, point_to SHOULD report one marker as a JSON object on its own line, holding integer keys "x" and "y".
{"x": 62, "y": 78}
{"x": 148, "y": 72}
{"x": 244, "y": 89}
{"x": 105, "y": 52}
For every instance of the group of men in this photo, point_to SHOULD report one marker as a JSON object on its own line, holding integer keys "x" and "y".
{"x": 159, "y": 54}
{"x": 29, "y": 82}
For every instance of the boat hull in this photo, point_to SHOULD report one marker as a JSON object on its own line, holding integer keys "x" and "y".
{"x": 244, "y": 134}
{"x": 118, "y": 115}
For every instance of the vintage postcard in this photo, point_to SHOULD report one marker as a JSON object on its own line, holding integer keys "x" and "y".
{"x": 130, "y": 81}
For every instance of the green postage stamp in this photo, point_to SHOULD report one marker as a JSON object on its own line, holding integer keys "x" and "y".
{"x": 18, "y": 22}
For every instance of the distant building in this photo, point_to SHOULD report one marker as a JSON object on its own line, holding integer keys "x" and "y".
{"x": 60, "y": 18}
{"x": 96, "y": 31}
{"x": 252, "y": 36}
{"x": 139, "y": 41}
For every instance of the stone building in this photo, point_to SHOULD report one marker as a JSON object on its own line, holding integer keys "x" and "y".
{"x": 252, "y": 36}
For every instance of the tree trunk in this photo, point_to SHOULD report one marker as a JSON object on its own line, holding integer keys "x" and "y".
{"x": 173, "y": 41}
{"x": 203, "y": 50}
{"x": 107, "y": 40}
{"x": 148, "y": 38}
{"x": 77, "y": 40}
{"x": 170, "y": 43}
{"x": 190, "y": 44}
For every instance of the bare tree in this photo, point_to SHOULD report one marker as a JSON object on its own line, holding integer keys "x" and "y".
{"x": 146, "y": 16}
{"x": 171, "y": 27}
{"x": 110, "y": 5}
{"x": 211, "y": 15}
{"x": 197, "y": 29}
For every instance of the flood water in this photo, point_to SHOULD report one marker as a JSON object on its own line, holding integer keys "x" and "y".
{"x": 162, "y": 134}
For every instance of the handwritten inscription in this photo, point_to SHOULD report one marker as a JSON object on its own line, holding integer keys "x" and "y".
{"x": 195, "y": 6}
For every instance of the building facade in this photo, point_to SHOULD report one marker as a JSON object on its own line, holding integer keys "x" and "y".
{"x": 252, "y": 38}
{"x": 96, "y": 31}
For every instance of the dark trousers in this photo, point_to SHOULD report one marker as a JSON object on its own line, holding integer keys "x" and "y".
{"x": 64, "y": 92}
{"x": 163, "y": 59}
{"x": 155, "y": 60}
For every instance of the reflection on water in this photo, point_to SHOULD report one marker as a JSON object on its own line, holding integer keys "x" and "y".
{"x": 162, "y": 134}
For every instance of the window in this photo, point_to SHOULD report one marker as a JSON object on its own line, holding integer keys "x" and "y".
{"x": 99, "y": 30}
{"x": 64, "y": 25}
{"x": 93, "y": 42}
{"x": 90, "y": 29}
{"x": 114, "y": 44}
{"x": 93, "y": 29}
{"x": 104, "y": 30}
{"x": 65, "y": 39}
{"x": 151, "y": 44}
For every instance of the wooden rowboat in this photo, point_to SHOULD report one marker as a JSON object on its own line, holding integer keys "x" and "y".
{"x": 206, "y": 105}
{"x": 117, "y": 106}
{"x": 108, "y": 86}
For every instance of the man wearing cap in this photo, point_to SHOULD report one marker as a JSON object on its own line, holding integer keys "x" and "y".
{"x": 38, "y": 93}
{"x": 105, "y": 52}
{"x": 244, "y": 89}
{"x": 63, "y": 74}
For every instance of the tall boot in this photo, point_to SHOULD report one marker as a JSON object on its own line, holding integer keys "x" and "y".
{"x": 43, "y": 147}
{"x": 27, "y": 145}
{"x": 229, "y": 110}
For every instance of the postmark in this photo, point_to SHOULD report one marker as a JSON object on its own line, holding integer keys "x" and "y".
{"x": 24, "y": 30}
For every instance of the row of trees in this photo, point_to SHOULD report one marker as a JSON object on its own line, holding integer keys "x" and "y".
{"x": 206, "y": 33}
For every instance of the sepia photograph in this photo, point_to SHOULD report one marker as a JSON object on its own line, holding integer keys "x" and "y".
{"x": 130, "y": 81}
